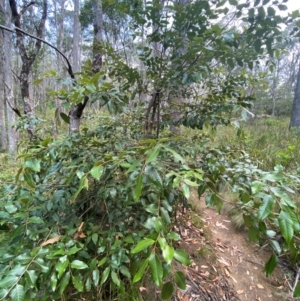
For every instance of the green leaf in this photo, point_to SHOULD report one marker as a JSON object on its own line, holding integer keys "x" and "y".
{"x": 265, "y": 208}
{"x": 140, "y": 273}
{"x": 8, "y": 281}
{"x": 165, "y": 215}
{"x": 64, "y": 282}
{"x": 10, "y": 208}
{"x": 105, "y": 275}
{"x": 124, "y": 270}
{"x": 3, "y": 293}
{"x": 77, "y": 282}
{"x": 95, "y": 238}
{"x": 257, "y": 45}
{"x": 233, "y": 2}
{"x": 153, "y": 174}
{"x": 31, "y": 276}
{"x": 168, "y": 253}
{"x": 138, "y": 188}
{"x": 180, "y": 280}
{"x": 156, "y": 269}
{"x": 276, "y": 246}
{"x": 115, "y": 278}
{"x": 176, "y": 182}
{"x": 253, "y": 234}
{"x": 96, "y": 277}
{"x": 17, "y": 293}
{"x": 88, "y": 284}
{"x": 53, "y": 282}
{"x": 35, "y": 220}
{"x": 167, "y": 290}
{"x": 256, "y": 2}
{"x": 261, "y": 12}
{"x": 65, "y": 118}
{"x": 286, "y": 226}
{"x": 78, "y": 265}
{"x": 297, "y": 290}
{"x": 271, "y": 264}
{"x": 186, "y": 191}
{"x": 271, "y": 11}
{"x": 257, "y": 186}
{"x": 97, "y": 171}
{"x": 282, "y": 7}
{"x": 152, "y": 208}
{"x": 62, "y": 266}
{"x": 266, "y": 2}
{"x": 177, "y": 157}
{"x": 182, "y": 257}
{"x": 29, "y": 179}
{"x": 152, "y": 155}
{"x": 143, "y": 244}
{"x": 33, "y": 164}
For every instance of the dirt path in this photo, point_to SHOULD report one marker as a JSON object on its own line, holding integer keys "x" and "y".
{"x": 242, "y": 262}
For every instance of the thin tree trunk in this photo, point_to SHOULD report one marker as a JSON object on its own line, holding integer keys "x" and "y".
{"x": 295, "y": 117}
{"x": 76, "y": 37}
{"x": 3, "y": 130}
{"x": 8, "y": 81}
{"x": 76, "y": 112}
{"x": 28, "y": 59}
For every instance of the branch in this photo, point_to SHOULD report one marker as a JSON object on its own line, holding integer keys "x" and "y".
{"x": 26, "y": 7}
{"x": 70, "y": 70}
{"x": 16, "y": 110}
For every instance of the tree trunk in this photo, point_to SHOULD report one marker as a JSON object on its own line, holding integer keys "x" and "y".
{"x": 76, "y": 37}
{"x": 8, "y": 85}
{"x": 98, "y": 39}
{"x": 76, "y": 112}
{"x": 295, "y": 118}
{"x": 28, "y": 58}
{"x": 3, "y": 130}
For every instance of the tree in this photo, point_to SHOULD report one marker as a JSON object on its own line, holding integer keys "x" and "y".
{"x": 28, "y": 55}
{"x": 77, "y": 110}
{"x": 6, "y": 70}
{"x": 76, "y": 37}
{"x": 2, "y": 83}
{"x": 94, "y": 212}
{"x": 295, "y": 118}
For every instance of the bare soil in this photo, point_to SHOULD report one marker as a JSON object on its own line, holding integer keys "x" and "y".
{"x": 225, "y": 254}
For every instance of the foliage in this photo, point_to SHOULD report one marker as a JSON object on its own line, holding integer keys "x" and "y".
{"x": 95, "y": 212}
{"x": 100, "y": 215}
{"x": 267, "y": 140}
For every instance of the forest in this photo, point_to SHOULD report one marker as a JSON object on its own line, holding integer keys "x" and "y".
{"x": 122, "y": 122}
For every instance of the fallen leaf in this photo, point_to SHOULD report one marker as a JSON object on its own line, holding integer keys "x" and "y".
{"x": 51, "y": 241}
{"x": 239, "y": 292}
{"x": 142, "y": 289}
{"x": 260, "y": 286}
{"x": 223, "y": 261}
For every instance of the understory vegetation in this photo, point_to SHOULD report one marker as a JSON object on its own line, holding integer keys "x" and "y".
{"x": 98, "y": 217}
{"x": 111, "y": 147}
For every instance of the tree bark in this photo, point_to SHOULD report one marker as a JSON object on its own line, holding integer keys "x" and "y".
{"x": 98, "y": 36}
{"x": 3, "y": 128}
{"x": 76, "y": 112}
{"x": 8, "y": 84}
{"x": 76, "y": 37}
{"x": 28, "y": 57}
{"x": 295, "y": 117}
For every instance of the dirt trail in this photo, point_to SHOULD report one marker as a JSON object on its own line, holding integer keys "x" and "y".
{"x": 241, "y": 261}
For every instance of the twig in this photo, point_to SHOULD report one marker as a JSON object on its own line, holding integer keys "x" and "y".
{"x": 296, "y": 281}
{"x": 70, "y": 70}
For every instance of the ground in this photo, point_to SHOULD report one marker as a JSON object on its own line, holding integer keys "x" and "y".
{"x": 226, "y": 265}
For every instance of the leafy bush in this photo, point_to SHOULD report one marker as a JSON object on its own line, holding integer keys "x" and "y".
{"x": 95, "y": 213}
